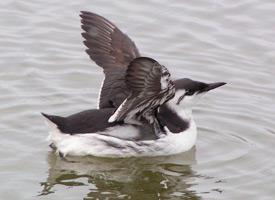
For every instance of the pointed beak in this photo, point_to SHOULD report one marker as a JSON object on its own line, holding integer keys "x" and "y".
{"x": 212, "y": 86}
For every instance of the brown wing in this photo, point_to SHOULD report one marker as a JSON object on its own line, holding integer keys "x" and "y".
{"x": 143, "y": 76}
{"x": 150, "y": 86}
{"x": 112, "y": 50}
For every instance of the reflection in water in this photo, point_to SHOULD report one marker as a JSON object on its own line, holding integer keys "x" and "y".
{"x": 127, "y": 178}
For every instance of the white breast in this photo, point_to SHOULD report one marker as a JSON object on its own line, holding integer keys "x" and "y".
{"x": 106, "y": 145}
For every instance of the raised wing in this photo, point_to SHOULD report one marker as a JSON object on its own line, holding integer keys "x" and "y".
{"x": 150, "y": 86}
{"x": 112, "y": 50}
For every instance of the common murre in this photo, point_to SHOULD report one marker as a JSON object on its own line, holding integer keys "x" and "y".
{"x": 137, "y": 102}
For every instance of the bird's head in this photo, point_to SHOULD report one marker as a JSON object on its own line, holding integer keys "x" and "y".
{"x": 188, "y": 91}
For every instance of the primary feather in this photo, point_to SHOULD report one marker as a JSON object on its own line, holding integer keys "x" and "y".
{"x": 112, "y": 50}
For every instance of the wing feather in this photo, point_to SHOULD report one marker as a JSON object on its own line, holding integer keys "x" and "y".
{"x": 143, "y": 78}
{"x": 112, "y": 50}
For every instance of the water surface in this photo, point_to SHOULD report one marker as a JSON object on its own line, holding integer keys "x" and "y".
{"x": 44, "y": 68}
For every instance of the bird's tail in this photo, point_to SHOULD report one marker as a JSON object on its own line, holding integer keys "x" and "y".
{"x": 56, "y": 120}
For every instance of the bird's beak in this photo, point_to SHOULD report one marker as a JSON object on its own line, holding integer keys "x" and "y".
{"x": 212, "y": 86}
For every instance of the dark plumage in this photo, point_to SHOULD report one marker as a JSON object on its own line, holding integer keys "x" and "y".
{"x": 172, "y": 120}
{"x": 125, "y": 75}
{"x": 137, "y": 102}
{"x": 192, "y": 86}
{"x": 143, "y": 79}
{"x": 89, "y": 121}
{"x": 94, "y": 121}
{"x": 112, "y": 50}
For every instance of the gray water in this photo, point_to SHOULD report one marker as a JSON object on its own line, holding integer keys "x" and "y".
{"x": 44, "y": 68}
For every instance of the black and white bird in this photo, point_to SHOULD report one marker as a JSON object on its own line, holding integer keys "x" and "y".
{"x": 141, "y": 110}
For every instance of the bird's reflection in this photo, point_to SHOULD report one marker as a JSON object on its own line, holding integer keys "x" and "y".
{"x": 127, "y": 178}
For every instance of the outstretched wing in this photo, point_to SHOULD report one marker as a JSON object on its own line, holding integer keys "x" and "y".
{"x": 112, "y": 50}
{"x": 150, "y": 86}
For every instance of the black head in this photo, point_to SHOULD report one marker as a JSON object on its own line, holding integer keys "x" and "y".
{"x": 192, "y": 88}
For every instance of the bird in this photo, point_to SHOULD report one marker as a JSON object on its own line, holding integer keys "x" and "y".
{"x": 141, "y": 110}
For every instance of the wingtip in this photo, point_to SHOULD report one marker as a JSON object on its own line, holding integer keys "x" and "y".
{"x": 83, "y": 12}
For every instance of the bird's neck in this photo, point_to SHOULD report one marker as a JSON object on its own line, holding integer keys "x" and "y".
{"x": 183, "y": 112}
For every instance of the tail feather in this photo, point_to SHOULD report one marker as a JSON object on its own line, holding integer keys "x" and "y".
{"x": 58, "y": 121}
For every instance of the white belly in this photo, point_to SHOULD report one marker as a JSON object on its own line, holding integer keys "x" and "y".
{"x": 97, "y": 144}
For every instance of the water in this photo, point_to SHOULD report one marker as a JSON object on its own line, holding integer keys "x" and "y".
{"x": 44, "y": 68}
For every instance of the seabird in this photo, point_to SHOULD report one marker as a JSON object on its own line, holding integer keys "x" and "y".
{"x": 141, "y": 110}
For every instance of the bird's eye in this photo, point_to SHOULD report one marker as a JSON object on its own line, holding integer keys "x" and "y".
{"x": 189, "y": 93}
